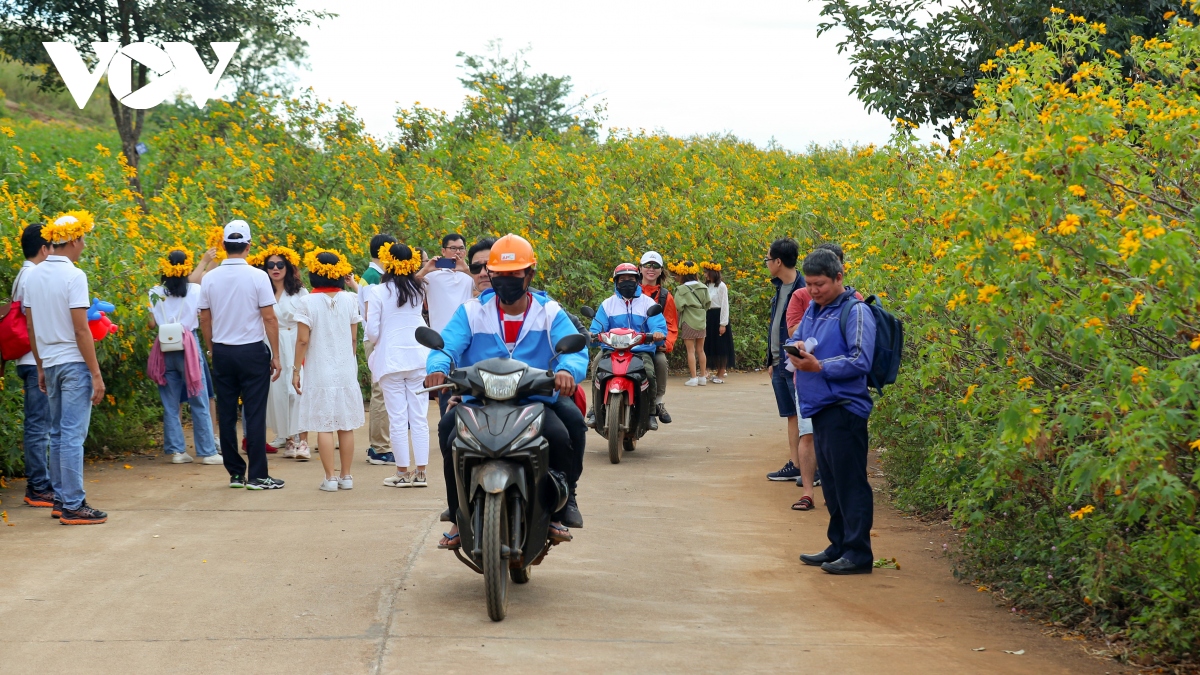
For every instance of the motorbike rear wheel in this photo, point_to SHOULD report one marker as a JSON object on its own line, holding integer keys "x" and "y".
{"x": 495, "y": 579}
{"x": 616, "y": 437}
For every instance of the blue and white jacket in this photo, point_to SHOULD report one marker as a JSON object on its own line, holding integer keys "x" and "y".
{"x": 845, "y": 357}
{"x": 474, "y": 334}
{"x": 617, "y": 312}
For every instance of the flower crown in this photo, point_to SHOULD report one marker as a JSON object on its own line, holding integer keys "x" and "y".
{"x": 399, "y": 267}
{"x": 684, "y": 267}
{"x": 68, "y": 226}
{"x": 170, "y": 269}
{"x": 259, "y": 259}
{"x": 328, "y": 270}
{"x": 214, "y": 239}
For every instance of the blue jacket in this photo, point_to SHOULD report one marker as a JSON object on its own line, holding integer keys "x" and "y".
{"x": 474, "y": 335}
{"x": 617, "y": 312}
{"x": 845, "y": 361}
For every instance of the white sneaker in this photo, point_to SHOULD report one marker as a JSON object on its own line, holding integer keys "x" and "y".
{"x": 181, "y": 458}
{"x": 289, "y": 448}
{"x": 692, "y": 383}
{"x": 345, "y": 482}
{"x": 329, "y": 485}
{"x": 419, "y": 479}
{"x": 399, "y": 480}
{"x": 703, "y": 381}
{"x": 302, "y": 452}
{"x": 213, "y": 459}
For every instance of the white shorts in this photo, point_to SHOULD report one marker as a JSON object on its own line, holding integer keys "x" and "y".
{"x": 804, "y": 424}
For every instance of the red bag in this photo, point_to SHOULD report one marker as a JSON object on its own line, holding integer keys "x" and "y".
{"x": 14, "y": 334}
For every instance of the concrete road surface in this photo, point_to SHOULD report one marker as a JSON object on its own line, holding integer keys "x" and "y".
{"x": 688, "y": 563}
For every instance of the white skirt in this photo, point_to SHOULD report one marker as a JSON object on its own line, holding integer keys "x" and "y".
{"x": 283, "y": 405}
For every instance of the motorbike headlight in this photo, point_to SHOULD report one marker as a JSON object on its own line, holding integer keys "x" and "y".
{"x": 501, "y": 387}
{"x": 620, "y": 341}
{"x": 465, "y": 434}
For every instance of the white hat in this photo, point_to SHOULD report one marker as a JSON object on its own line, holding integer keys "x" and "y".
{"x": 651, "y": 256}
{"x": 238, "y": 232}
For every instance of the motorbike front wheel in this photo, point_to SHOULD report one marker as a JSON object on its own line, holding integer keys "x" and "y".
{"x": 495, "y": 567}
{"x": 616, "y": 413}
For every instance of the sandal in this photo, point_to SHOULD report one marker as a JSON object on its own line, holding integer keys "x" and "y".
{"x": 803, "y": 504}
{"x": 455, "y": 541}
{"x": 559, "y": 534}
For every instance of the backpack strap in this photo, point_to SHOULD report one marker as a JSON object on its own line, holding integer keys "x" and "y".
{"x": 844, "y": 315}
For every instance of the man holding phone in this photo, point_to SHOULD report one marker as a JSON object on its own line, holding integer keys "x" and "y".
{"x": 448, "y": 285}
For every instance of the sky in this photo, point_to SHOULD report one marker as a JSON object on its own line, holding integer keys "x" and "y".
{"x": 755, "y": 68}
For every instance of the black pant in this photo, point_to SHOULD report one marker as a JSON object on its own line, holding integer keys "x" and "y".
{"x": 243, "y": 372}
{"x": 840, "y": 438}
{"x": 553, "y": 431}
{"x": 572, "y": 419}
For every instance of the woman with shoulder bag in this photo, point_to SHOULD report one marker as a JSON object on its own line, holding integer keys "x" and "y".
{"x": 175, "y": 363}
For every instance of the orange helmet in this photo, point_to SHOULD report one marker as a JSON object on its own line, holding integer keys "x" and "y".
{"x": 511, "y": 253}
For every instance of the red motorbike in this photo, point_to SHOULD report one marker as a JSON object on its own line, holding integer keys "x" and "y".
{"x": 622, "y": 399}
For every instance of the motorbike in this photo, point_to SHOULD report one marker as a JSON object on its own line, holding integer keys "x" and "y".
{"x": 621, "y": 398}
{"x": 507, "y": 492}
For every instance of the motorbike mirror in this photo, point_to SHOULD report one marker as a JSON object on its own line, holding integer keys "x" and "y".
{"x": 588, "y": 312}
{"x": 571, "y": 344}
{"x": 428, "y": 337}
{"x": 654, "y": 310}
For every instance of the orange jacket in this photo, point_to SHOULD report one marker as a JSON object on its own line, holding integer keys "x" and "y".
{"x": 669, "y": 313}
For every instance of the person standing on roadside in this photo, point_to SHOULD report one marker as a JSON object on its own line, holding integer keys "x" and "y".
{"x": 781, "y": 265}
{"x": 448, "y": 285}
{"x": 809, "y": 477}
{"x": 282, "y": 264}
{"x": 237, "y": 316}
{"x": 651, "y": 267}
{"x": 832, "y": 383}
{"x": 56, "y": 305}
{"x": 38, "y": 490}
{"x": 718, "y": 345}
{"x": 692, "y": 303}
{"x": 380, "y": 450}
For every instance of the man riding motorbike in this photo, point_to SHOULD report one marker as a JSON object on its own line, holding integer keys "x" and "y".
{"x": 513, "y": 323}
{"x": 627, "y": 308}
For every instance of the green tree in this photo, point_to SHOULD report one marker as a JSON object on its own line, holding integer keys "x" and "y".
{"x": 26, "y": 24}
{"x": 515, "y": 102}
{"x": 919, "y": 61}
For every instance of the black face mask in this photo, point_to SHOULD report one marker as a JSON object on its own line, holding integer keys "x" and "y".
{"x": 627, "y": 288}
{"x": 508, "y": 289}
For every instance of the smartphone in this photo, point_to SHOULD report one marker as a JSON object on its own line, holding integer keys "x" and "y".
{"x": 791, "y": 349}
{"x": 446, "y": 263}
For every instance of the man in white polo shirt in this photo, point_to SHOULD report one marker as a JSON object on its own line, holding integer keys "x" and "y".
{"x": 237, "y": 316}
{"x": 56, "y": 304}
{"x": 446, "y": 288}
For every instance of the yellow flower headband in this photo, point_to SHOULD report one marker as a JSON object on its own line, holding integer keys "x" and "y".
{"x": 684, "y": 267}
{"x": 716, "y": 267}
{"x": 399, "y": 267}
{"x": 214, "y": 239}
{"x": 260, "y": 258}
{"x": 170, "y": 269}
{"x": 328, "y": 270}
{"x": 68, "y": 226}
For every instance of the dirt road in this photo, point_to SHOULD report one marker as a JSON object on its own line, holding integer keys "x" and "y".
{"x": 688, "y": 563}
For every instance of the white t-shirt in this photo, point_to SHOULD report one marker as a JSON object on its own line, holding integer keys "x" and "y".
{"x": 235, "y": 293}
{"x": 170, "y": 309}
{"x": 364, "y": 295}
{"x": 52, "y": 290}
{"x": 445, "y": 292}
{"x": 18, "y": 295}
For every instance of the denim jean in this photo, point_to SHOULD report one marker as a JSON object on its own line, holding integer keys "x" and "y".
{"x": 69, "y": 390}
{"x": 37, "y": 431}
{"x": 171, "y": 393}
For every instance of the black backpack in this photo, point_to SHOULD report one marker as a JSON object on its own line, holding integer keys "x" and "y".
{"x": 889, "y": 341}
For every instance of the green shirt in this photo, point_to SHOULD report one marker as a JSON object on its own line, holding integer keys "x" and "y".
{"x": 371, "y": 276}
{"x": 692, "y": 302}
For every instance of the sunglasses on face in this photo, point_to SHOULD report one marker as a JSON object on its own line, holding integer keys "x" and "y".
{"x": 273, "y": 265}
{"x": 652, "y": 266}
{"x": 476, "y": 268}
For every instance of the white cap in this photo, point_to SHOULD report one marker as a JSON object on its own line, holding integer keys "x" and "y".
{"x": 651, "y": 256}
{"x": 238, "y": 232}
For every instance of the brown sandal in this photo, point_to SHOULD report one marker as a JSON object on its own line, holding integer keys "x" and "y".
{"x": 803, "y": 504}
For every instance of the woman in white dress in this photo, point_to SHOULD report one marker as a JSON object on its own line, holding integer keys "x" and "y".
{"x": 330, "y": 399}
{"x": 282, "y": 264}
{"x": 398, "y": 361}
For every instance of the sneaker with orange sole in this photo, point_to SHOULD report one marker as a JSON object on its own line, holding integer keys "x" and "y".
{"x": 84, "y": 515}
{"x": 41, "y": 500}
